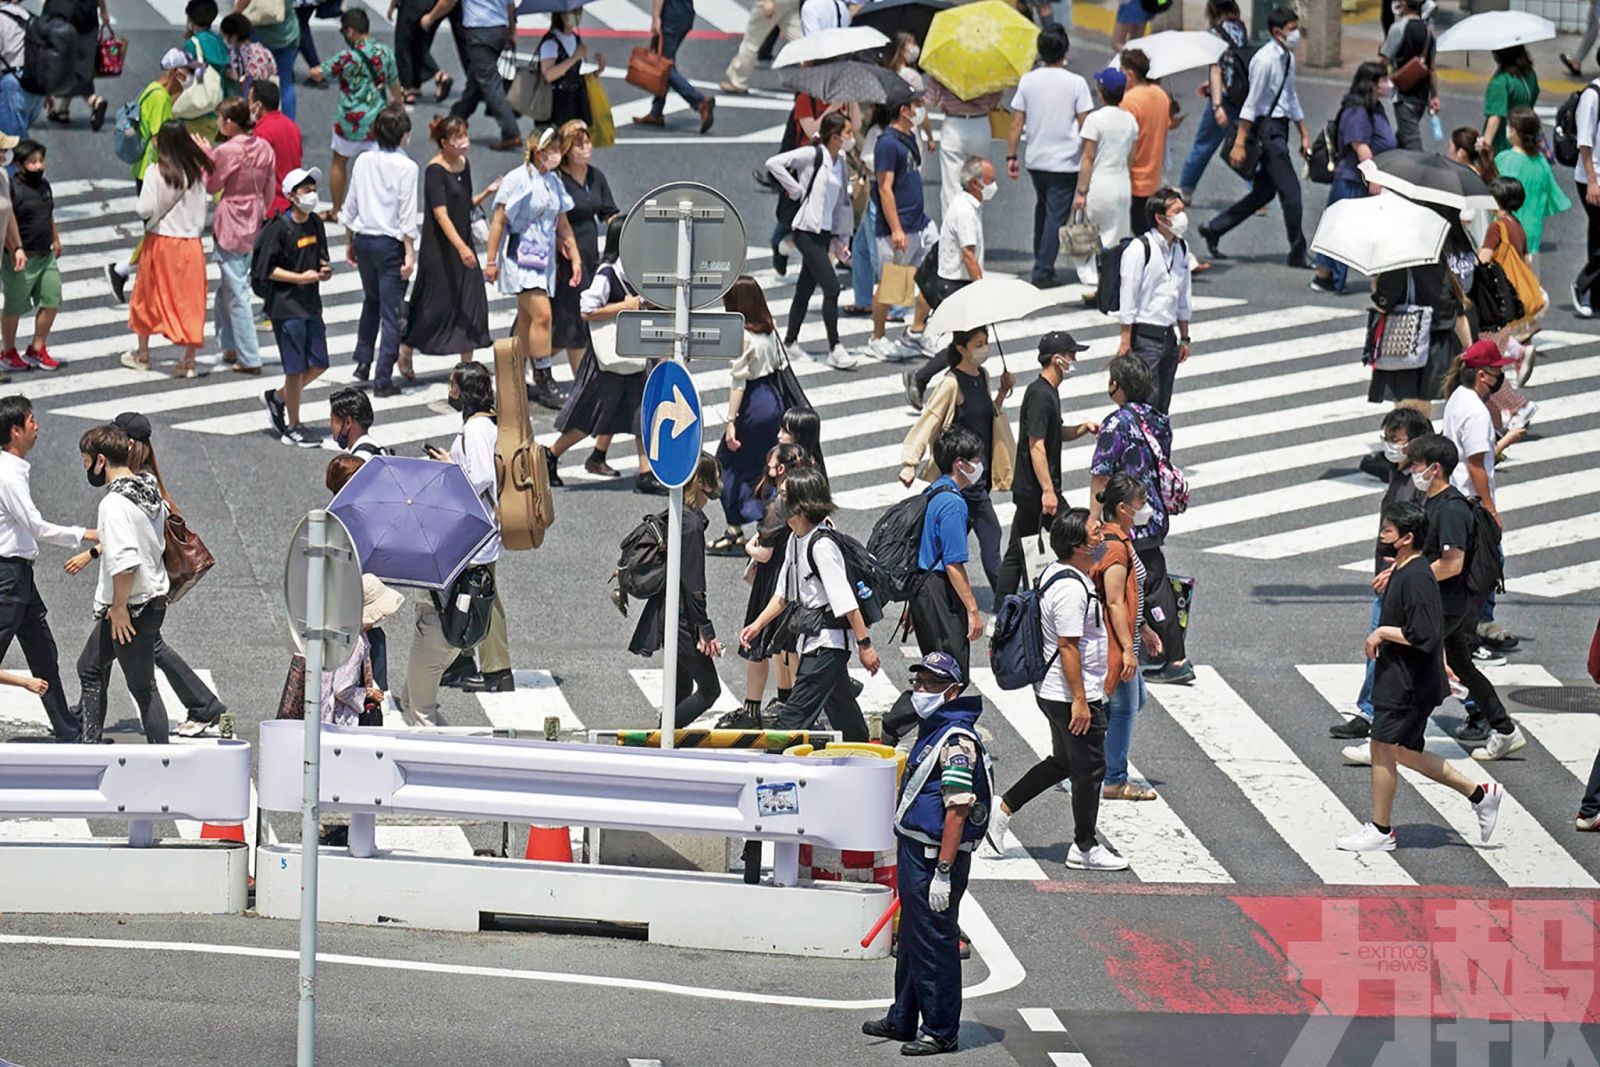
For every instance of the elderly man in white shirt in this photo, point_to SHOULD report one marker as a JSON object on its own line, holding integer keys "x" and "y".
{"x": 1273, "y": 103}
{"x": 1155, "y": 292}
{"x": 22, "y": 611}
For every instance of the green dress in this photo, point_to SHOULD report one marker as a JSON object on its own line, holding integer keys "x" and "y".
{"x": 1543, "y": 196}
{"x": 1505, "y": 92}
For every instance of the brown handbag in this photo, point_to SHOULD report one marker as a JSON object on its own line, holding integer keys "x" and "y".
{"x": 292, "y": 703}
{"x": 648, "y": 69}
{"x": 185, "y": 556}
{"x": 1414, "y": 71}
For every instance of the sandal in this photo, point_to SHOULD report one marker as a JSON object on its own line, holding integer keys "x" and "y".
{"x": 441, "y": 87}
{"x": 407, "y": 370}
{"x": 412, "y": 96}
{"x": 731, "y": 543}
{"x": 1127, "y": 791}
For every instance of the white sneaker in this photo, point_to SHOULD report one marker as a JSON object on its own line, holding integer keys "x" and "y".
{"x": 1098, "y": 858}
{"x": 1500, "y": 745}
{"x": 884, "y": 349}
{"x": 1488, "y": 809}
{"x": 1367, "y": 839}
{"x": 1587, "y": 823}
{"x": 1579, "y": 306}
{"x": 995, "y": 832}
{"x": 1523, "y": 416}
{"x": 1360, "y": 755}
{"x": 839, "y": 358}
{"x": 1530, "y": 356}
{"x": 191, "y": 728}
{"x": 918, "y": 342}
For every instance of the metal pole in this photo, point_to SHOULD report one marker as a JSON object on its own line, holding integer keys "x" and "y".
{"x": 316, "y": 622}
{"x": 680, "y": 345}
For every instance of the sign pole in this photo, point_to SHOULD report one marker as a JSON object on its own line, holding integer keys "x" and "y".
{"x": 680, "y": 344}
{"x": 316, "y": 623}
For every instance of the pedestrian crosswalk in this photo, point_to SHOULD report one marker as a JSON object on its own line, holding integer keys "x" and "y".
{"x": 1243, "y": 798}
{"x": 1270, "y": 414}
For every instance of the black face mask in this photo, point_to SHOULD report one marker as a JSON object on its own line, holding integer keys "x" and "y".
{"x": 96, "y": 476}
{"x": 454, "y": 402}
{"x": 32, "y": 177}
{"x": 1498, "y": 382}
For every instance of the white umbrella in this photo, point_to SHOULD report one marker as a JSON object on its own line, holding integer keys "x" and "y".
{"x": 829, "y": 44}
{"x": 1175, "y": 51}
{"x": 1496, "y": 29}
{"x": 1378, "y": 233}
{"x": 988, "y": 300}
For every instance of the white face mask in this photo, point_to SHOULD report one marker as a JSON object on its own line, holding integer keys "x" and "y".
{"x": 919, "y": 116}
{"x": 1179, "y": 224}
{"x": 1144, "y": 514}
{"x": 989, "y": 191}
{"x": 925, "y": 704}
{"x": 1066, "y": 367}
{"x": 975, "y": 473}
{"x": 306, "y": 202}
{"x": 913, "y": 53}
{"x": 980, "y": 353}
{"x": 848, "y": 144}
{"x": 1291, "y": 38}
{"x": 1394, "y": 453}
{"x": 1420, "y": 480}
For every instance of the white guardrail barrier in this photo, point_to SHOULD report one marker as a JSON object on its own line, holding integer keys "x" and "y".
{"x": 141, "y": 784}
{"x": 842, "y": 803}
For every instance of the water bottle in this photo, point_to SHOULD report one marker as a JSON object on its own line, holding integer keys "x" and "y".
{"x": 1436, "y": 128}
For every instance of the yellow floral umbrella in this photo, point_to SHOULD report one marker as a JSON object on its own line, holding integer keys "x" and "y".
{"x": 979, "y": 48}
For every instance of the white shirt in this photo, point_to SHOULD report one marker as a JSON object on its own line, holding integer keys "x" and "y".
{"x": 827, "y": 209}
{"x": 762, "y": 355}
{"x": 382, "y": 198}
{"x": 1267, "y": 72}
{"x": 473, "y": 452}
{"x": 1067, "y": 610}
{"x": 1051, "y": 99}
{"x": 829, "y": 587}
{"x": 366, "y": 446}
{"x": 13, "y": 33}
{"x": 1155, "y": 289}
{"x": 1588, "y": 123}
{"x": 1468, "y": 426}
{"x": 823, "y": 15}
{"x": 21, "y": 525}
{"x": 169, "y": 211}
{"x": 131, "y": 539}
{"x": 963, "y": 228}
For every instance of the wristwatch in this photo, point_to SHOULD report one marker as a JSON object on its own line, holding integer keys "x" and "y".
{"x": 1011, "y": 159}
{"x": 943, "y": 867}
{"x": 864, "y": 642}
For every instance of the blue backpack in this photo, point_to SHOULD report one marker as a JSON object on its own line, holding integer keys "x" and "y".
{"x": 1016, "y": 651}
{"x": 127, "y": 137}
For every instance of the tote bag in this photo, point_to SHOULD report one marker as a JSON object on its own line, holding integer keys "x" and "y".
{"x": 602, "y": 125}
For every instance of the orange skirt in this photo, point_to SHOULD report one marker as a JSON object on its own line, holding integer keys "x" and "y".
{"x": 169, "y": 295}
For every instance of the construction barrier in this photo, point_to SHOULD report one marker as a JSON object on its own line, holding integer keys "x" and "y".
{"x": 764, "y": 740}
{"x": 820, "y": 864}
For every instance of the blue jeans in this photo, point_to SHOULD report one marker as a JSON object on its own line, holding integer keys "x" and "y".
{"x": 19, "y": 109}
{"x": 1207, "y": 136}
{"x": 1121, "y": 706}
{"x": 1364, "y": 698}
{"x": 378, "y": 260}
{"x": 864, "y": 257}
{"x": 1052, "y": 203}
{"x": 671, "y": 40}
{"x": 1341, "y": 189}
{"x": 284, "y": 57}
{"x": 236, "y": 327}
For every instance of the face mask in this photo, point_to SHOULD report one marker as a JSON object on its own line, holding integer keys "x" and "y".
{"x": 1421, "y": 481}
{"x": 96, "y": 476}
{"x": 1179, "y": 224}
{"x": 1066, "y": 367}
{"x": 1291, "y": 38}
{"x": 980, "y": 353}
{"x": 925, "y": 704}
{"x": 913, "y": 53}
{"x": 1144, "y": 514}
{"x": 847, "y": 145}
{"x": 975, "y": 475}
{"x": 1385, "y": 90}
{"x": 989, "y": 192}
{"x": 1497, "y": 383}
{"x": 919, "y": 116}
{"x": 454, "y": 402}
{"x": 1394, "y": 453}
{"x": 1098, "y": 552}
{"x": 343, "y": 437}
{"x": 306, "y": 202}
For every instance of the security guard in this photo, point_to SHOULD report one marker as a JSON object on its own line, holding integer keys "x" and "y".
{"x": 943, "y": 810}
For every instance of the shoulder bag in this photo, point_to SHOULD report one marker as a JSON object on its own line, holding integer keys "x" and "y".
{"x": 530, "y": 94}
{"x": 1402, "y": 335}
{"x": 1530, "y": 294}
{"x": 1414, "y": 71}
{"x": 465, "y": 608}
{"x": 788, "y": 382}
{"x": 185, "y": 556}
{"x": 648, "y": 69}
{"x": 264, "y": 12}
{"x": 1246, "y": 168}
{"x": 1170, "y": 482}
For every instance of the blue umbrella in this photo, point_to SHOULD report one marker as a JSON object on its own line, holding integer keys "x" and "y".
{"x": 414, "y": 522}
{"x": 547, "y": 7}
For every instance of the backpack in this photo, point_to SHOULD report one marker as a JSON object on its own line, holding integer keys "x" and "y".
{"x": 1016, "y": 651}
{"x": 1108, "y": 292}
{"x": 642, "y": 567}
{"x": 866, "y": 574}
{"x": 896, "y": 542}
{"x": 49, "y": 53}
{"x": 1324, "y": 153}
{"x": 1484, "y": 568}
{"x": 128, "y": 139}
{"x": 1235, "y": 64}
{"x": 526, "y": 507}
{"x": 1170, "y": 482}
{"x": 1564, "y": 142}
{"x": 370, "y": 450}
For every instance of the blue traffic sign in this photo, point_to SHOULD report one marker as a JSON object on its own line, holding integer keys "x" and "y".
{"x": 671, "y": 410}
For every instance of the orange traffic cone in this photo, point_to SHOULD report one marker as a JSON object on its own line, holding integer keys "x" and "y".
{"x": 231, "y": 832}
{"x": 550, "y": 843}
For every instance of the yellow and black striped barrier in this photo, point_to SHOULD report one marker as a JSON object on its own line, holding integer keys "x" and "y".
{"x": 772, "y": 741}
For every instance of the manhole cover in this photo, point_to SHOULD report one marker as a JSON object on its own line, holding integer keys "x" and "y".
{"x": 1559, "y": 698}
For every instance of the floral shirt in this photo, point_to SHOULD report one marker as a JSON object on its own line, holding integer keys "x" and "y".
{"x": 1122, "y": 448}
{"x": 364, "y": 72}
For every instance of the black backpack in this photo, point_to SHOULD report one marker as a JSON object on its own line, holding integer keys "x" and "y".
{"x": 642, "y": 567}
{"x": 1564, "y": 142}
{"x": 1235, "y": 64}
{"x": 49, "y": 53}
{"x": 1324, "y": 153}
{"x": 896, "y": 542}
{"x": 260, "y": 268}
{"x": 866, "y": 574}
{"x": 1484, "y": 568}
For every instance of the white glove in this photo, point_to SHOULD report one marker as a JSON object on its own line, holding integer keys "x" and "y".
{"x": 939, "y": 892}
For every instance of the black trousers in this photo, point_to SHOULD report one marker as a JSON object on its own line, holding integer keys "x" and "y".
{"x": 1459, "y": 641}
{"x": 816, "y": 271}
{"x": 1026, "y": 521}
{"x": 823, "y": 683}
{"x": 1157, "y": 348}
{"x": 1588, "y": 281}
{"x": 939, "y": 622}
{"x": 927, "y": 964}
{"x": 199, "y": 702}
{"x": 413, "y": 45}
{"x": 138, "y": 661}
{"x": 698, "y": 686}
{"x": 22, "y": 616}
{"x": 1080, "y": 759}
{"x": 1161, "y": 605}
{"x": 1276, "y": 175}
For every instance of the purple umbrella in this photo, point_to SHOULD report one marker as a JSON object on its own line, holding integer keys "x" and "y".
{"x": 414, "y": 521}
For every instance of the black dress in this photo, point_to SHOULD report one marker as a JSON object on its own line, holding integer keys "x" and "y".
{"x": 591, "y": 205}
{"x": 449, "y": 311}
{"x": 601, "y": 402}
{"x": 773, "y": 533}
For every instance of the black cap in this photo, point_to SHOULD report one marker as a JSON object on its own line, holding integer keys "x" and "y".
{"x": 898, "y": 96}
{"x": 135, "y": 425}
{"x": 1059, "y": 342}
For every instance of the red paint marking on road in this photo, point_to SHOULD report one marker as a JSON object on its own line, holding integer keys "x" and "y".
{"x": 1387, "y": 892}
{"x": 606, "y": 34}
{"x": 1161, "y": 974}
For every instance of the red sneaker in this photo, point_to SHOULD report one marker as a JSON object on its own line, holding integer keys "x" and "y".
{"x": 40, "y": 359}
{"x": 9, "y": 360}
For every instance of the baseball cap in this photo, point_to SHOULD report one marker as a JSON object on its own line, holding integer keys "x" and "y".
{"x": 939, "y": 663}
{"x": 1059, "y": 342}
{"x": 135, "y": 425}
{"x": 176, "y": 58}
{"x": 1111, "y": 78}
{"x": 299, "y": 176}
{"x": 898, "y": 96}
{"x": 1485, "y": 354}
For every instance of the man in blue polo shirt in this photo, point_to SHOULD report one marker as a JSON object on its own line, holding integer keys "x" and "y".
{"x": 905, "y": 234}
